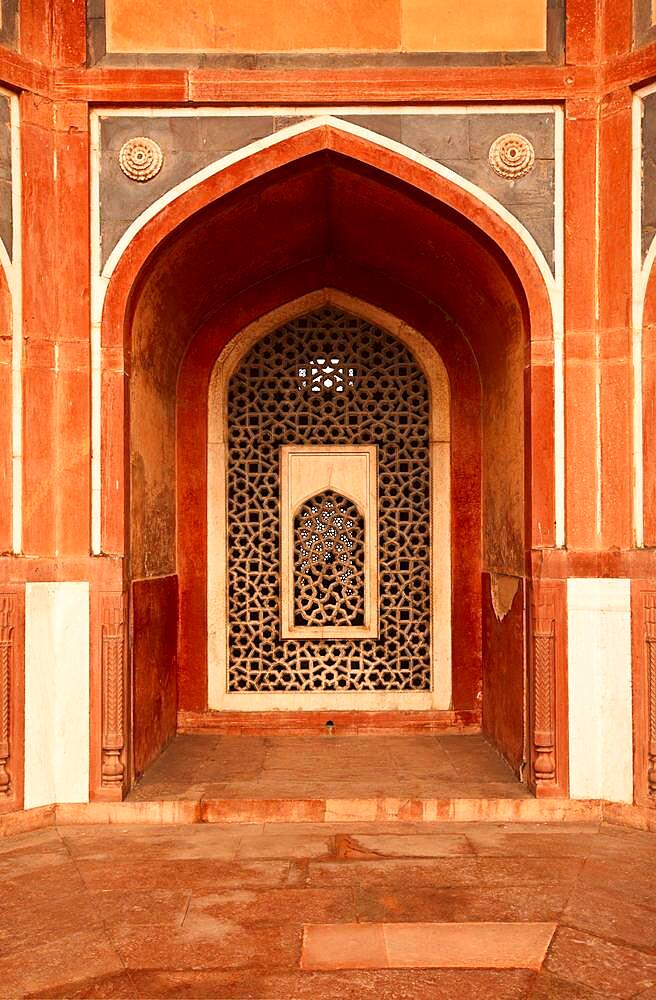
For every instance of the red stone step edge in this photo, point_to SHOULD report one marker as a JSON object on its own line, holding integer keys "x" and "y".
{"x": 187, "y": 811}
{"x": 355, "y": 723}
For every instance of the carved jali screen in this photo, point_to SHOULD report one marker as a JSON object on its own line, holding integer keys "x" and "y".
{"x": 329, "y": 562}
{"x": 328, "y": 378}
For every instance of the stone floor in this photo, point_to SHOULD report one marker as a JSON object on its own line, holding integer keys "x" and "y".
{"x": 210, "y": 766}
{"x": 218, "y": 911}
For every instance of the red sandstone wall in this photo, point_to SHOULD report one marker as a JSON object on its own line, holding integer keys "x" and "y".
{"x": 153, "y": 371}
{"x": 504, "y": 695}
{"x": 502, "y": 378}
{"x": 154, "y": 643}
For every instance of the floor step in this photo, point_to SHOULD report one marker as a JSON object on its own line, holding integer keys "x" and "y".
{"x": 365, "y": 810}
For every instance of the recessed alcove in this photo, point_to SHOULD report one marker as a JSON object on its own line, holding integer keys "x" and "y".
{"x": 329, "y": 227}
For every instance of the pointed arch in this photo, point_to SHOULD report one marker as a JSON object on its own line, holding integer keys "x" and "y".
{"x": 113, "y": 290}
{"x": 337, "y": 126}
{"x": 228, "y": 173}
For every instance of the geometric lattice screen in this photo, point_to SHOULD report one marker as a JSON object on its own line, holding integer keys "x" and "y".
{"x": 329, "y": 562}
{"x": 328, "y": 378}
{"x": 328, "y": 541}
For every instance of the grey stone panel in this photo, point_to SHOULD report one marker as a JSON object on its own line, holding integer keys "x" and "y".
{"x": 644, "y": 31}
{"x": 6, "y": 220}
{"x": 556, "y": 30}
{"x": 6, "y": 227}
{"x": 388, "y": 125}
{"x": 188, "y": 144}
{"x": 648, "y": 172}
{"x": 313, "y": 60}
{"x": 284, "y": 121}
{"x": 440, "y": 138}
{"x": 96, "y": 31}
{"x": 393, "y": 60}
{"x": 9, "y": 26}
{"x": 460, "y": 141}
{"x": 226, "y": 134}
{"x": 484, "y": 129}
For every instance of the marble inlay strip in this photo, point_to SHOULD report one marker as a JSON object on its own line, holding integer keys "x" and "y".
{"x": 426, "y": 945}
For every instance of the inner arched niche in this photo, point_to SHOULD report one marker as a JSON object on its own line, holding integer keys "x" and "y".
{"x": 330, "y": 221}
{"x": 427, "y": 681}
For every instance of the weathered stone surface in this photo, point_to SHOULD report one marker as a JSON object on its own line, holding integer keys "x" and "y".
{"x": 6, "y": 221}
{"x": 459, "y": 141}
{"x": 150, "y": 900}
{"x": 649, "y": 172}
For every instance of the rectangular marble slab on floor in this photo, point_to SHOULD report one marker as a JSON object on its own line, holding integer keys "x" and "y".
{"x": 426, "y": 945}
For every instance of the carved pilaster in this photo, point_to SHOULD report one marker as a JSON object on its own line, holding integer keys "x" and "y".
{"x": 113, "y": 637}
{"x": 544, "y": 716}
{"x": 650, "y": 638}
{"x": 7, "y": 611}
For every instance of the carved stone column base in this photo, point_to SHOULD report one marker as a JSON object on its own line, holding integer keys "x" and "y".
{"x": 112, "y": 767}
{"x": 544, "y": 763}
{"x": 543, "y": 703}
{"x": 7, "y": 608}
{"x": 113, "y": 680}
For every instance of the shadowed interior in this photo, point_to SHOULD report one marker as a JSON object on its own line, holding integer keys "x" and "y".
{"x": 326, "y": 220}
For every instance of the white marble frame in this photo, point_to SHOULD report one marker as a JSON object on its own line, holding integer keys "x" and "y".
{"x": 439, "y": 698}
{"x": 352, "y": 471}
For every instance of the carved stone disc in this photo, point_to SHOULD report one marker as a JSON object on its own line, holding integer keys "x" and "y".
{"x": 512, "y": 156}
{"x": 141, "y": 158}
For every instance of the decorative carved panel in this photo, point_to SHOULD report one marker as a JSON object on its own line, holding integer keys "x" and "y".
{"x": 544, "y": 721}
{"x": 7, "y": 626}
{"x": 329, "y": 569}
{"x": 329, "y": 541}
{"x": 113, "y": 681}
{"x": 328, "y": 379}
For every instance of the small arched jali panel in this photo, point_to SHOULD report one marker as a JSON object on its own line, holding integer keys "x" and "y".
{"x": 329, "y": 562}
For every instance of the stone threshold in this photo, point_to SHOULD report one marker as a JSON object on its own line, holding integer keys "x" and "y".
{"x": 363, "y": 810}
{"x": 344, "y": 723}
{"x": 182, "y": 812}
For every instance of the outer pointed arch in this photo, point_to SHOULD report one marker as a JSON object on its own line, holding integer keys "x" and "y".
{"x": 302, "y": 139}
{"x": 113, "y": 289}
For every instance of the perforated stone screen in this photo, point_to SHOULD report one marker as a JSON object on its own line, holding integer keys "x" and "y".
{"x": 329, "y": 562}
{"x": 384, "y": 400}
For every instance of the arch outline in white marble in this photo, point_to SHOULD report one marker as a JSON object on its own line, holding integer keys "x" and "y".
{"x": 321, "y": 117}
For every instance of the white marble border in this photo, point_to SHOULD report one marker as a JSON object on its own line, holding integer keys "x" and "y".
{"x": 600, "y": 689}
{"x": 56, "y": 693}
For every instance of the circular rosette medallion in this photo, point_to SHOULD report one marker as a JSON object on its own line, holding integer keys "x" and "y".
{"x": 141, "y": 158}
{"x": 512, "y": 156}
